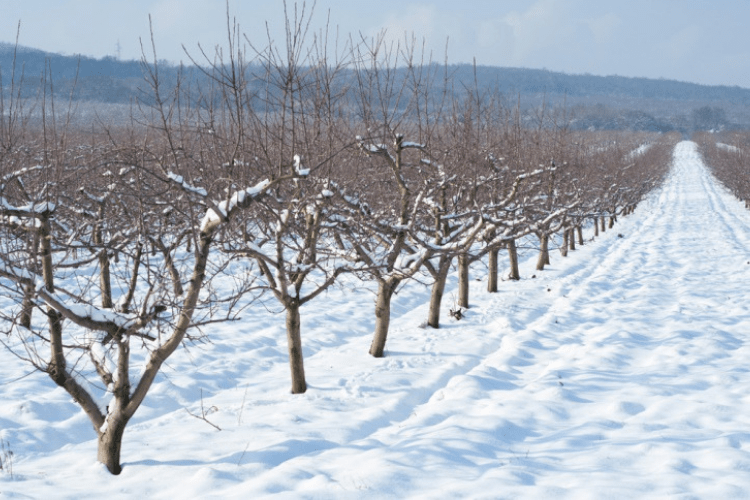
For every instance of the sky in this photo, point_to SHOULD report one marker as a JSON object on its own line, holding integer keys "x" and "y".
{"x": 701, "y": 41}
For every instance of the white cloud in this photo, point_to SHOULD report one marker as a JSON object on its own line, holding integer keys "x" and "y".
{"x": 418, "y": 20}
{"x": 532, "y": 34}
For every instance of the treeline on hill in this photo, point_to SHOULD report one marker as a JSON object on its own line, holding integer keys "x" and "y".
{"x": 120, "y": 243}
{"x": 595, "y": 102}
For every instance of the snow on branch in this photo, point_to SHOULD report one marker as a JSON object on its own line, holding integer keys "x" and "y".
{"x": 299, "y": 168}
{"x": 178, "y": 179}
{"x": 89, "y": 316}
{"x": 371, "y": 149}
{"x": 222, "y": 210}
{"x": 85, "y": 315}
{"x": 16, "y": 174}
{"x": 28, "y": 210}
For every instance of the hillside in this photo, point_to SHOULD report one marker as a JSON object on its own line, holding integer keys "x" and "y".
{"x": 592, "y": 102}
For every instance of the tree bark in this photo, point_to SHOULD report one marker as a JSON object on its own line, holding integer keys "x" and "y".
{"x": 125, "y": 304}
{"x": 543, "y": 259}
{"x": 294, "y": 342}
{"x": 492, "y": 274}
{"x": 173, "y": 273}
{"x": 27, "y": 307}
{"x": 513, "y": 256}
{"x": 463, "y": 281}
{"x": 109, "y": 444}
{"x": 382, "y": 315}
{"x": 438, "y": 288}
{"x": 104, "y": 279}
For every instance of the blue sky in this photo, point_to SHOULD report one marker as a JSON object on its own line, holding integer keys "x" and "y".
{"x": 700, "y": 41}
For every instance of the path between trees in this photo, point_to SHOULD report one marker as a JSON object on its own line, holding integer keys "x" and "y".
{"x": 628, "y": 377}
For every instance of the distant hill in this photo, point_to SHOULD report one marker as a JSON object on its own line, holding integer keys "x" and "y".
{"x": 609, "y": 102}
{"x": 534, "y": 81}
{"x": 104, "y": 80}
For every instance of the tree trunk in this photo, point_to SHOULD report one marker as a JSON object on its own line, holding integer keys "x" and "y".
{"x": 438, "y": 287}
{"x": 104, "y": 279}
{"x": 29, "y": 291}
{"x": 492, "y": 274}
{"x": 110, "y": 444}
{"x": 572, "y": 239}
{"x": 174, "y": 274}
{"x": 463, "y": 281}
{"x": 513, "y": 256}
{"x": 611, "y": 221}
{"x": 294, "y": 342}
{"x": 543, "y": 259}
{"x": 566, "y": 238}
{"x": 27, "y": 308}
{"x": 382, "y": 315}
{"x": 125, "y": 304}
{"x": 579, "y": 229}
{"x": 603, "y": 221}
{"x": 596, "y": 227}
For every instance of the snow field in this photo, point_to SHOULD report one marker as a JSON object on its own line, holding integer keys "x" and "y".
{"x": 619, "y": 371}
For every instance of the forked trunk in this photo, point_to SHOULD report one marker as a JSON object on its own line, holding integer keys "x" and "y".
{"x": 294, "y": 342}
{"x": 513, "y": 256}
{"x": 438, "y": 288}
{"x": 382, "y": 316}
{"x": 492, "y": 271}
{"x": 463, "y": 281}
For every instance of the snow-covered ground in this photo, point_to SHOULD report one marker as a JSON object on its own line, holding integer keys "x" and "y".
{"x": 621, "y": 371}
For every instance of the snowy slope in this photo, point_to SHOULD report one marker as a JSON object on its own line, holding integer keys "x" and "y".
{"x": 620, "y": 371}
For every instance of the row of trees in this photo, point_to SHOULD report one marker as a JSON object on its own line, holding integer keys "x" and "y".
{"x": 727, "y": 156}
{"x": 119, "y": 244}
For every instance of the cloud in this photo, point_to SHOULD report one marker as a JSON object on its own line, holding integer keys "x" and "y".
{"x": 415, "y": 19}
{"x": 528, "y": 36}
{"x": 419, "y": 18}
